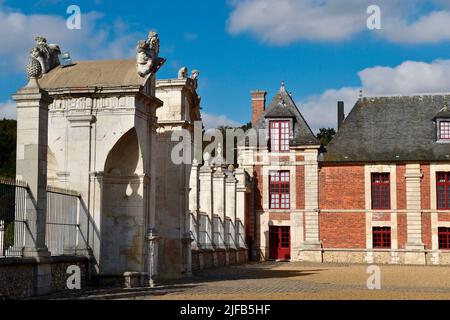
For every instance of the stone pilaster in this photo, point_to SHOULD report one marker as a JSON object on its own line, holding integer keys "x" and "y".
{"x": 206, "y": 198}
{"x": 231, "y": 207}
{"x": 32, "y": 144}
{"x": 219, "y": 204}
{"x": 240, "y": 207}
{"x": 311, "y": 249}
{"x": 414, "y": 245}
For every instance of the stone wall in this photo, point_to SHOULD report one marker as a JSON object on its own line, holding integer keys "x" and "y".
{"x": 18, "y": 275}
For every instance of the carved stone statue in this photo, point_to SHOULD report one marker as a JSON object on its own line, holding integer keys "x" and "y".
{"x": 183, "y": 73}
{"x": 147, "y": 56}
{"x": 194, "y": 76}
{"x": 44, "y": 54}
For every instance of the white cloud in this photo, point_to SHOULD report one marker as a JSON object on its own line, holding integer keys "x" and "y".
{"x": 93, "y": 41}
{"x": 410, "y": 77}
{"x": 211, "y": 121}
{"x": 281, "y": 22}
{"x": 7, "y": 110}
{"x": 320, "y": 111}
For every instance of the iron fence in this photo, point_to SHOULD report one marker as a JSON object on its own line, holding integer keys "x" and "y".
{"x": 240, "y": 234}
{"x": 13, "y": 202}
{"x": 62, "y": 226}
{"x": 218, "y": 232}
{"x": 204, "y": 234}
{"x": 68, "y": 221}
{"x": 229, "y": 233}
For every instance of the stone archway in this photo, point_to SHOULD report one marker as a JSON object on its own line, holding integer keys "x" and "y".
{"x": 123, "y": 213}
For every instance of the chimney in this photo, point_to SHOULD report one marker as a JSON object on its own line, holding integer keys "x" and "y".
{"x": 258, "y": 105}
{"x": 340, "y": 114}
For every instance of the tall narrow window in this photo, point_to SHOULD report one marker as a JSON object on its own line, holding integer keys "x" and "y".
{"x": 381, "y": 199}
{"x": 279, "y": 190}
{"x": 444, "y": 238}
{"x": 279, "y": 136}
{"x": 381, "y": 237}
{"x": 443, "y": 190}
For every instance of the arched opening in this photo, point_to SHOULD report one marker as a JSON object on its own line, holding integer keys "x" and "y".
{"x": 122, "y": 223}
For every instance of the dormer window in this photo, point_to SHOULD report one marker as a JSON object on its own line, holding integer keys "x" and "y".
{"x": 280, "y": 135}
{"x": 444, "y": 130}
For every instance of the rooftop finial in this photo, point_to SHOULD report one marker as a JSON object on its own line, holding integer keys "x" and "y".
{"x": 360, "y": 94}
{"x": 282, "y": 88}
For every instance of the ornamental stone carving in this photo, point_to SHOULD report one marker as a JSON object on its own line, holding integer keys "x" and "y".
{"x": 147, "y": 56}
{"x": 183, "y": 73}
{"x": 194, "y": 76}
{"x": 43, "y": 58}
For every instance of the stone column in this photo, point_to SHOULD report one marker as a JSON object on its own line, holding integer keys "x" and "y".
{"x": 219, "y": 204}
{"x": 311, "y": 250}
{"x": 241, "y": 189}
{"x": 231, "y": 206}
{"x": 206, "y": 198}
{"x": 32, "y": 135}
{"x": 32, "y": 144}
{"x": 415, "y": 248}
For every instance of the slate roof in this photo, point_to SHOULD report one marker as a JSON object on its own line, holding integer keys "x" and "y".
{"x": 103, "y": 73}
{"x": 282, "y": 106}
{"x": 394, "y": 129}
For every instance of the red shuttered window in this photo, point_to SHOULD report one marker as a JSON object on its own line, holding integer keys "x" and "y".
{"x": 381, "y": 237}
{"x": 444, "y": 238}
{"x": 279, "y": 190}
{"x": 443, "y": 190}
{"x": 279, "y": 136}
{"x": 381, "y": 194}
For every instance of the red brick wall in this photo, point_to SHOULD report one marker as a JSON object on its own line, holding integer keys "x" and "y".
{"x": 444, "y": 217}
{"x": 425, "y": 186}
{"x": 258, "y": 180}
{"x": 401, "y": 230}
{"x": 342, "y": 187}
{"x": 258, "y": 105}
{"x": 343, "y": 230}
{"x": 426, "y": 230}
{"x": 279, "y": 216}
{"x": 401, "y": 187}
{"x": 300, "y": 186}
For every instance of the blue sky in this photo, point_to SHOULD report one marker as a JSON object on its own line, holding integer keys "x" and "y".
{"x": 321, "y": 49}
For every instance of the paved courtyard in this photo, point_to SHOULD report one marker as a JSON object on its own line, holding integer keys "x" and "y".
{"x": 290, "y": 281}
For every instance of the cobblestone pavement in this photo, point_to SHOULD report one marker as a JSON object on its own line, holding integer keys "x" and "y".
{"x": 272, "y": 281}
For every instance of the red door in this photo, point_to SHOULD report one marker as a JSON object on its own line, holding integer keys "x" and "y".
{"x": 279, "y": 243}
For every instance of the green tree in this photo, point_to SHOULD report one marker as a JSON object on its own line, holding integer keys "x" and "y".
{"x": 8, "y": 137}
{"x": 325, "y": 135}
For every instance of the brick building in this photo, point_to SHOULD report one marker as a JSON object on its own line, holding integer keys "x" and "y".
{"x": 379, "y": 193}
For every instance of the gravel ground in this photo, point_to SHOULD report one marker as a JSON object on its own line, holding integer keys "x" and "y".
{"x": 291, "y": 281}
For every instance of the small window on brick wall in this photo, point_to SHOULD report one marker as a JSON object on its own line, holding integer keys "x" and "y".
{"x": 381, "y": 237}
{"x": 444, "y": 238}
{"x": 443, "y": 190}
{"x": 381, "y": 194}
{"x": 279, "y": 190}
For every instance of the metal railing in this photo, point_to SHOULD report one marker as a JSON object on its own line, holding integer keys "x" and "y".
{"x": 204, "y": 233}
{"x": 193, "y": 228}
{"x": 229, "y": 233}
{"x": 240, "y": 234}
{"x": 218, "y": 233}
{"x": 62, "y": 229}
{"x": 13, "y": 203}
{"x": 68, "y": 222}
